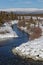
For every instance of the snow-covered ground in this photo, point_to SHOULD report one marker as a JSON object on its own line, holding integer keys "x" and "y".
{"x": 32, "y": 49}
{"x": 12, "y": 22}
{"x": 8, "y": 32}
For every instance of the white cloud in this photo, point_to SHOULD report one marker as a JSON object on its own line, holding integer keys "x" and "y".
{"x": 20, "y": 9}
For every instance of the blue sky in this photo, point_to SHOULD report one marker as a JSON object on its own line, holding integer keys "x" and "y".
{"x": 21, "y": 4}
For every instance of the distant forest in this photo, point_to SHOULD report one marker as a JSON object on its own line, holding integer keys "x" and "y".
{"x": 6, "y": 16}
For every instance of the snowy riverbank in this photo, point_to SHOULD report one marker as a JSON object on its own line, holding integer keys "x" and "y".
{"x": 7, "y": 32}
{"x": 32, "y": 49}
{"x": 12, "y": 22}
{"x": 8, "y": 36}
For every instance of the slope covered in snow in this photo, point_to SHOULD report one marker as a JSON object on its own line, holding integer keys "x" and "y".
{"x": 32, "y": 49}
{"x": 6, "y": 32}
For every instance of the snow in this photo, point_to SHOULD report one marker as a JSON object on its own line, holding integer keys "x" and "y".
{"x": 11, "y": 22}
{"x": 20, "y": 9}
{"x": 8, "y": 32}
{"x": 14, "y": 22}
{"x": 41, "y": 18}
{"x": 31, "y": 49}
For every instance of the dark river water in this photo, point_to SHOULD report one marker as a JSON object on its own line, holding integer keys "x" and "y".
{"x": 6, "y": 55}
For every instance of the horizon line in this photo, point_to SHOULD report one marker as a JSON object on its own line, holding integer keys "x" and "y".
{"x": 21, "y": 9}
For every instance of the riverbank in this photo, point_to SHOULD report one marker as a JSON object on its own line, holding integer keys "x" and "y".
{"x": 7, "y": 32}
{"x": 31, "y": 49}
{"x": 6, "y": 55}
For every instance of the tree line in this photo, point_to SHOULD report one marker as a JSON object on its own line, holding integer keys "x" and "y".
{"x": 7, "y": 16}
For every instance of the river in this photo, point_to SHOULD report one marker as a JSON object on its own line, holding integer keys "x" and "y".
{"x": 6, "y": 55}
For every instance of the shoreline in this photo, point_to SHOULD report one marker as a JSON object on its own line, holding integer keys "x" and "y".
{"x": 32, "y": 53}
{"x": 9, "y": 34}
{"x": 24, "y": 31}
{"x": 32, "y": 49}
